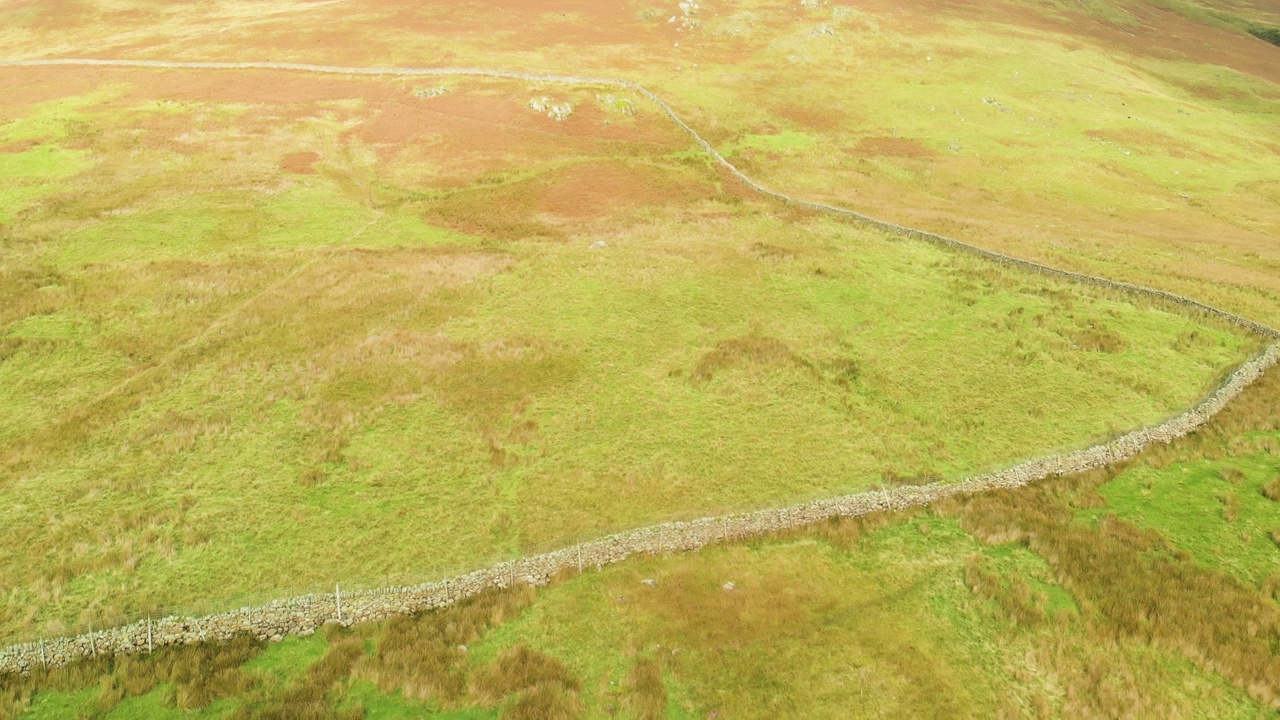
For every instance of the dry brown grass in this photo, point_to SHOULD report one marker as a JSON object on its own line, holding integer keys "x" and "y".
{"x": 1012, "y": 595}
{"x": 647, "y": 691}
{"x": 1271, "y": 490}
{"x": 744, "y": 351}
{"x": 537, "y": 684}
{"x": 425, "y": 655}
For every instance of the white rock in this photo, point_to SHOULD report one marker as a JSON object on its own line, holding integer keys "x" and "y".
{"x": 599, "y": 245}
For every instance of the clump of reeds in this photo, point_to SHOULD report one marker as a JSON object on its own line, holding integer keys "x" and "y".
{"x": 1012, "y": 594}
{"x": 309, "y": 697}
{"x": 749, "y": 350}
{"x": 1133, "y": 584}
{"x": 647, "y": 692}
{"x": 425, "y": 656}
{"x": 540, "y": 685}
{"x": 1271, "y": 490}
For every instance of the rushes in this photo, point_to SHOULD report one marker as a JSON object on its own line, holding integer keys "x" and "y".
{"x": 647, "y": 697}
{"x": 1136, "y": 586}
{"x": 1271, "y": 490}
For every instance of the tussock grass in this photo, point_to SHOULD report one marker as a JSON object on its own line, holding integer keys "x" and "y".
{"x": 1271, "y": 490}
{"x": 425, "y": 657}
{"x": 646, "y": 688}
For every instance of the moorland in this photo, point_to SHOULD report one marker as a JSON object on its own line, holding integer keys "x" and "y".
{"x": 261, "y": 331}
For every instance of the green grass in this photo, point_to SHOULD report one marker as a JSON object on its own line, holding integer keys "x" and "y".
{"x": 377, "y": 705}
{"x": 55, "y": 705}
{"x": 1213, "y": 509}
{"x": 216, "y": 370}
{"x": 156, "y": 704}
{"x": 788, "y": 140}
{"x": 285, "y": 661}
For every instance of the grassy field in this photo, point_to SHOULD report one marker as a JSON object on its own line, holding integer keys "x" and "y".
{"x": 261, "y": 332}
{"x": 1049, "y": 601}
{"x": 253, "y": 346}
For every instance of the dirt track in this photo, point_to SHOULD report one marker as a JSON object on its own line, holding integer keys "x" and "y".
{"x": 304, "y": 613}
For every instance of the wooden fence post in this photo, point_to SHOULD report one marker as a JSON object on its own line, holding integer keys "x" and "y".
{"x": 337, "y": 599}
{"x": 43, "y": 660}
{"x": 579, "y": 558}
{"x": 93, "y": 644}
{"x": 149, "y": 644}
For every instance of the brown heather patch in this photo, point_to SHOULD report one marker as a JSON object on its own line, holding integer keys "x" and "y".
{"x": 542, "y": 206}
{"x": 893, "y": 147}
{"x": 166, "y": 132}
{"x": 253, "y": 87}
{"x": 603, "y": 188}
{"x": 25, "y": 87}
{"x": 302, "y": 163}
{"x": 422, "y": 655}
{"x": 1013, "y": 142}
{"x": 18, "y": 146}
{"x": 812, "y": 117}
{"x": 1213, "y": 92}
{"x": 523, "y": 24}
{"x": 1151, "y": 140}
{"x": 1013, "y": 595}
{"x": 1157, "y": 33}
{"x": 1097, "y": 338}
{"x": 541, "y": 686}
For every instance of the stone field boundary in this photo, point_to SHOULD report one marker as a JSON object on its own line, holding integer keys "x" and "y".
{"x": 302, "y": 615}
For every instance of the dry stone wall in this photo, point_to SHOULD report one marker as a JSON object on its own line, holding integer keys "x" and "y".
{"x": 304, "y": 614}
